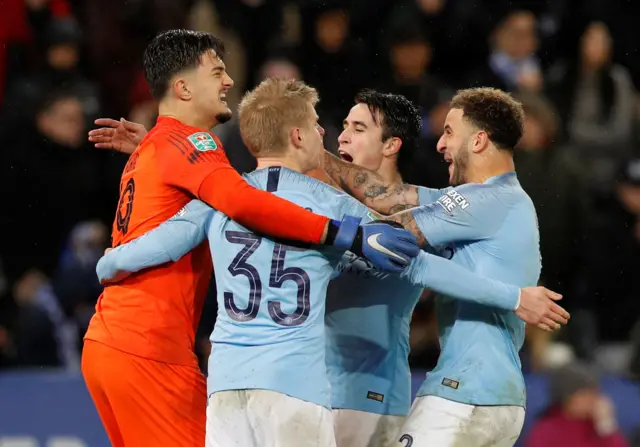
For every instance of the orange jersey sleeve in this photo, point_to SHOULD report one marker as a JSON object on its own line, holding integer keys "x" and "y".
{"x": 197, "y": 163}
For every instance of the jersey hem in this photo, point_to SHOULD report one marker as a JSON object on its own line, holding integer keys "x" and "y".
{"x": 221, "y": 390}
{"x": 471, "y": 402}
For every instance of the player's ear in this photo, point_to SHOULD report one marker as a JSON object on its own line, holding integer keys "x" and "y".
{"x": 181, "y": 89}
{"x": 295, "y": 136}
{"x": 391, "y": 146}
{"x": 480, "y": 141}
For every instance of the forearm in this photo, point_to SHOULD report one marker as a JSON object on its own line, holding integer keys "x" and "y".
{"x": 261, "y": 211}
{"x": 446, "y": 277}
{"x": 369, "y": 187}
{"x": 406, "y": 219}
{"x": 130, "y": 258}
{"x": 166, "y": 243}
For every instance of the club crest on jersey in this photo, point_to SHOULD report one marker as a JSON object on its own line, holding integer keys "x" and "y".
{"x": 203, "y": 142}
{"x": 452, "y": 200}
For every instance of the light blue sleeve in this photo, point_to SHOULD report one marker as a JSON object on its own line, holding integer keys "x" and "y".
{"x": 427, "y": 196}
{"x": 470, "y": 212}
{"x": 167, "y": 243}
{"x": 453, "y": 280}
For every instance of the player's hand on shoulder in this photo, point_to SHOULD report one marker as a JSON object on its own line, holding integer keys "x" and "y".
{"x": 122, "y": 136}
{"x": 538, "y": 307}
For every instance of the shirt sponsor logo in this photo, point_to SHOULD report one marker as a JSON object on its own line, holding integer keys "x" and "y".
{"x": 452, "y": 200}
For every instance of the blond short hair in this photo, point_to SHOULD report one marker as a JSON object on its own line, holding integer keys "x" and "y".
{"x": 267, "y": 112}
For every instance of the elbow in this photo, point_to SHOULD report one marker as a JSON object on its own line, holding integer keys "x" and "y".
{"x": 106, "y": 270}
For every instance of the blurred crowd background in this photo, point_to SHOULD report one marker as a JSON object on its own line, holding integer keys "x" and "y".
{"x": 574, "y": 64}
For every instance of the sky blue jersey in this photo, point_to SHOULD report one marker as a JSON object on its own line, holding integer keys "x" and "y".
{"x": 368, "y": 312}
{"x": 492, "y": 230}
{"x": 367, "y": 328}
{"x": 269, "y": 333}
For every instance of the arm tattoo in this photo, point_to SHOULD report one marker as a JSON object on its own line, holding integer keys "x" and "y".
{"x": 407, "y": 220}
{"x": 398, "y": 208}
{"x": 369, "y": 187}
{"x": 375, "y": 191}
{"x": 345, "y": 188}
{"x": 360, "y": 179}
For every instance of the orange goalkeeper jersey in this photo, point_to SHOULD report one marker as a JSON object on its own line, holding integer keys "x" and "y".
{"x": 154, "y": 313}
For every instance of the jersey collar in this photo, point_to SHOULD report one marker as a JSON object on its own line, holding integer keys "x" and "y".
{"x": 506, "y": 177}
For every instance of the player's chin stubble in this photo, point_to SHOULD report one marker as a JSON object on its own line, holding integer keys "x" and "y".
{"x": 224, "y": 116}
{"x": 459, "y": 171}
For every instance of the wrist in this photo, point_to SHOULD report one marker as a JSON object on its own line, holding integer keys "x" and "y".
{"x": 331, "y": 232}
{"x": 345, "y": 234}
{"x": 518, "y": 300}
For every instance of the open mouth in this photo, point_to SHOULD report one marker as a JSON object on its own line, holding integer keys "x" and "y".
{"x": 449, "y": 162}
{"x": 345, "y": 156}
{"x": 223, "y": 99}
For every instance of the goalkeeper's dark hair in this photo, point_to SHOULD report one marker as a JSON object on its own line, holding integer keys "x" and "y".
{"x": 174, "y": 51}
{"x": 398, "y": 116}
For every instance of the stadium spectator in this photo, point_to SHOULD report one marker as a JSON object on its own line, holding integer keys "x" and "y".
{"x": 331, "y": 60}
{"x": 55, "y": 184}
{"x": 594, "y": 95}
{"x": 512, "y": 64}
{"x": 555, "y": 188}
{"x": 60, "y": 68}
{"x": 21, "y": 24}
{"x": 579, "y": 416}
{"x": 75, "y": 283}
{"x": 612, "y": 283}
{"x": 43, "y": 336}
